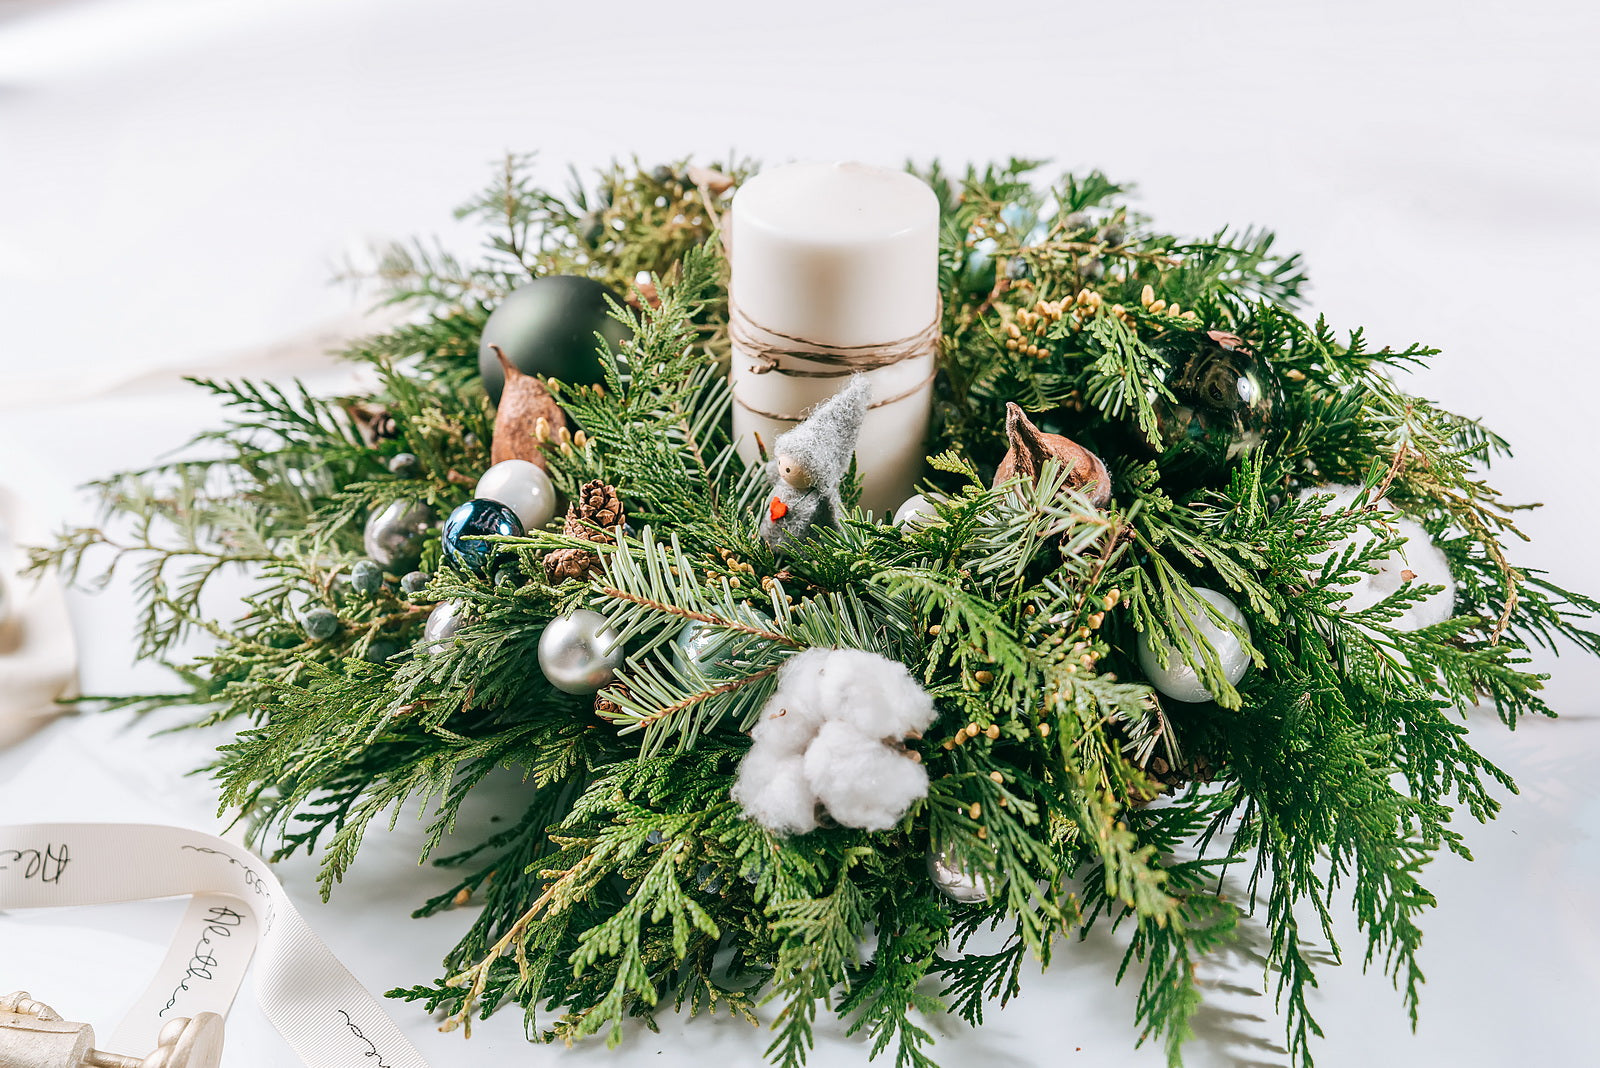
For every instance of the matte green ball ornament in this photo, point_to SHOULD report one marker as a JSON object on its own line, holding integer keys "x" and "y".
{"x": 1221, "y": 407}
{"x": 548, "y": 328}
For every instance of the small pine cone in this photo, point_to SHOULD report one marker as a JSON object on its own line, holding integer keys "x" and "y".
{"x": 1198, "y": 769}
{"x": 605, "y": 702}
{"x": 373, "y": 422}
{"x": 563, "y": 564}
{"x": 598, "y": 506}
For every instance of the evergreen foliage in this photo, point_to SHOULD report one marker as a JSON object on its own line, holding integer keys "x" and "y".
{"x": 631, "y": 883}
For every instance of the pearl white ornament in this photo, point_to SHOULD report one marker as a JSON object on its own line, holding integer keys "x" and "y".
{"x": 1419, "y": 555}
{"x": 1178, "y": 680}
{"x": 914, "y": 507}
{"x": 522, "y": 487}
{"x": 955, "y": 882}
{"x": 5, "y": 601}
{"x": 580, "y": 652}
{"x": 443, "y": 622}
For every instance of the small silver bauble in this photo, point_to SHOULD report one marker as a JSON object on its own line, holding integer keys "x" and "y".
{"x": 916, "y": 509}
{"x": 956, "y": 883}
{"x": 524, "y": 488}
{"x": 1178, "y": 680}
{"x": 580, "y": 652}
{"x": 393, "y": 536}
{"x": 443, "y": 622}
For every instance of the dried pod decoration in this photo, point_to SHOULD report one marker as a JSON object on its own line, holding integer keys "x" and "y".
{"x": 597, "y": 511}
{"x": 1031, "y": 447}
{"x": 523, "y": 403}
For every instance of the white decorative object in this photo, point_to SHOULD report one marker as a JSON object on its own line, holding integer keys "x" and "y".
{"x": 1417, "y": 560}
{"x": 1177, "y": 679}
{"x": 522, "y": 487}
{"x": 916, "y": 508}
{"x": 580, "y": 652}
{"x": 835, "y": 270}
{"x": 955, "y": 882}
{"x": 832, "y": 734}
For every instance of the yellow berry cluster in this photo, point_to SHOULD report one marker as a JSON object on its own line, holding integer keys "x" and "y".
{"x": 737, "y": 566}
{"x": 1156, "y": 306}
{"x": 565, "y": 439}
{"x": 971, "y": 731}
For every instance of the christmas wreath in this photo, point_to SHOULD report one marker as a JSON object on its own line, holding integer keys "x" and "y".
{"x": 1191, "y": 587}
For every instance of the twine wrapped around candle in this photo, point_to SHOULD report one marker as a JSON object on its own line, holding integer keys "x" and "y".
{"x": 769, "y": 350}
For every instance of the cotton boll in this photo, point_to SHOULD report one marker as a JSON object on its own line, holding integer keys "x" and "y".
{"x": 790, "y": 718}
{"x": 785, "y": 726}
{"x": 1417, "y": 555}
{"x": 859, "y": 780}
{"x": 772, "y": 790}
{"x": 876, "y": 694}
{"x": 1427, "y": 562}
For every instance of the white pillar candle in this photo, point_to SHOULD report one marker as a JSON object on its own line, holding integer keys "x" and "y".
{"x": 831, "y": 256}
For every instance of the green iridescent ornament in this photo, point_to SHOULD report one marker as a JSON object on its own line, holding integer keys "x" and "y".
{"x": 1221, "y": 406}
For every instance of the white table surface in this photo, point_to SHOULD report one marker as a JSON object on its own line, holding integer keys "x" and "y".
{"x": 179, "y": 177}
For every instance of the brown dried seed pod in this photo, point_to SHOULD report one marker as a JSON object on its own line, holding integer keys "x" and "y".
{"x": 1031, "y": 447}
{"x": 524, "y": 402}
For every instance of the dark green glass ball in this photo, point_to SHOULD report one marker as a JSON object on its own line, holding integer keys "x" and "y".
{"x": 1221, "y": 408}
{"x": 548, "y": 328}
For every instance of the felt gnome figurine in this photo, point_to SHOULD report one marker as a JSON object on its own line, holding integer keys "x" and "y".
{"x": 808, "y": 464}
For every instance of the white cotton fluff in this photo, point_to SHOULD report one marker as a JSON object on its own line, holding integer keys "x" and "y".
{"x": 791, "y": 716}
{"x": 829, "y": 734}
{"x": 876, "y": 694}
{"x": 1418, "y": 555}
{"x": 773, "y": 791}
{"x": 859, "y": 780}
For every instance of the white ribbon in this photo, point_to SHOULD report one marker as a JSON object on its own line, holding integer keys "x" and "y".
{"x": 239, "y": 908}
{"x": 38, "y": 664}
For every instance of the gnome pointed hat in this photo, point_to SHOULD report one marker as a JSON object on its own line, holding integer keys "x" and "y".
{"x": 826, "y": 441}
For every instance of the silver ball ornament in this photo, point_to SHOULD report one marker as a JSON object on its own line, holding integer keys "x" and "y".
{"x": 580, "y": 652}
{"x": 443, "y": 622}
{"x": 1177, "y": 679}
{"x": 956, "y": 883}
{"x": 522, "y": 487}
{"x": 393, "y": 535}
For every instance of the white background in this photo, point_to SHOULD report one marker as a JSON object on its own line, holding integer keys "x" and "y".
{"x": 179, "y": 178}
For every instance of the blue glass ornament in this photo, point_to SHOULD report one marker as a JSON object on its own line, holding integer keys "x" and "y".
{"x": 466, "y": 531}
